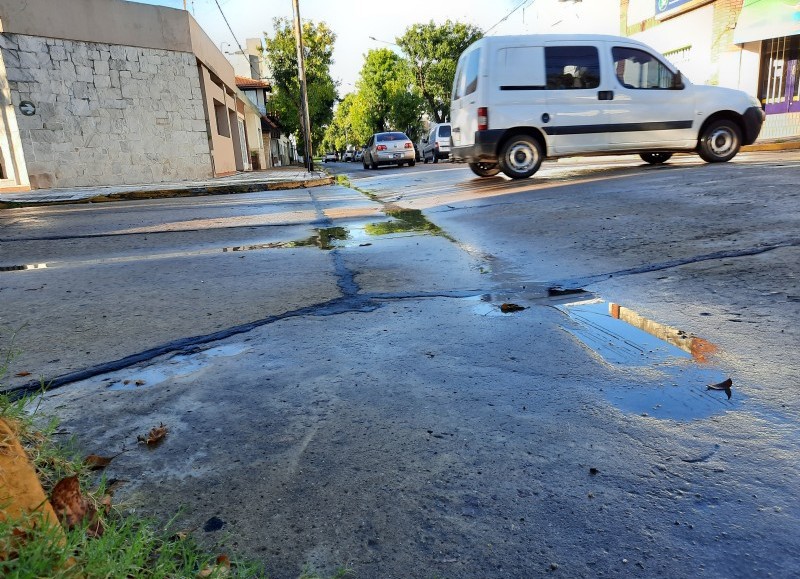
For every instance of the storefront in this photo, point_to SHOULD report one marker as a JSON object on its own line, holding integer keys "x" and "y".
{"x": 752, "y": 45}
{"x": 776, "y": 23}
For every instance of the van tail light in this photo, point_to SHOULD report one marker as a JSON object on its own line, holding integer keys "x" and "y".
{"x": 381, "y": 148}
{"x": 408, "y": 145}
{"x": 483, "y": 118}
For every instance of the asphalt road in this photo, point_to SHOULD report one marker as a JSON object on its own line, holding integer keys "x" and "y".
{"x": 342, "y": 387}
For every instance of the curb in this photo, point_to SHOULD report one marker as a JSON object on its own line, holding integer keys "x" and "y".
{"x": 785, "y": 146}
{"x": 225, "y": 189}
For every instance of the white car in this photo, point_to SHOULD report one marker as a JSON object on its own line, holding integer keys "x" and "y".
{"x": 349, "y": 155}
{"x": 519, "y": 99}
{"x": 329, "y": 157}
{"x": 391, "y": 148}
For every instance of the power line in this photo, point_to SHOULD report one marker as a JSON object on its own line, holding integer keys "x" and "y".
{"x": 229, "y": 27}
{"x": 504, "y": 18}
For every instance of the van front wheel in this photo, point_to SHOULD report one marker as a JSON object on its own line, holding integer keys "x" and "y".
{"x": 520, "y": 157}
{"x": 720, "y": 141}
{"x": 484, "y": 169}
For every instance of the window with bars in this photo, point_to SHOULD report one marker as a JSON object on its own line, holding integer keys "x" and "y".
{"x": 779, "y": 84}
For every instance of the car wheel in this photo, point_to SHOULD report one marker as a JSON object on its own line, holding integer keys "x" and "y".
{"x": 412, "y": 163}
{"x": 425, "y": 159}
{"x": 655, "y": 158}
{"x": 373, "y": 164}
{"x": 484, "y": 169}
{"x": 364, "y": 162}
{"x": 720, "y": 141}
{"x": 435, "y": 158}
{"x": 520, "y": 157}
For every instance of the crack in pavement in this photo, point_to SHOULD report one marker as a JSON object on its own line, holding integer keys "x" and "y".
{"x": 650, "y": 268}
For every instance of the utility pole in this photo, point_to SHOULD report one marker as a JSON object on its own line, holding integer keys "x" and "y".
{"x": 301, "y": 74}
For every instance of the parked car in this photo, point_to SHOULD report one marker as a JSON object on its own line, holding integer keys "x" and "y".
{"x": 329, "y": 156}
{"x": 392, "y": 148}
{"x": 519, "y": 99}
{"x": 436, "y": 145}
{"x": 359, "y": 155}
{"x": 349, "y": 154}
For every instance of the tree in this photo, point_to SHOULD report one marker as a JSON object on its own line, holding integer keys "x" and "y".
{"x": 386, "y": 97}
{"x": 432, "y": 51}
{"x": 281, "y": 53}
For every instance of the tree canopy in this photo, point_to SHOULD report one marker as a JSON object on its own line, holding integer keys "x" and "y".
{"x": 432, "y": 51}
{"x": 281, "y": 53}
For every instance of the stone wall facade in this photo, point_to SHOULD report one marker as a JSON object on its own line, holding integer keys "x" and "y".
{"x": 107, "y": 114}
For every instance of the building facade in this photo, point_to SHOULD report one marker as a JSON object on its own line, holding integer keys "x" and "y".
{"x": 752, "y": 45}
{"x": 110, "y": 92}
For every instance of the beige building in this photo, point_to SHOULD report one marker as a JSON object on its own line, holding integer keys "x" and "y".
{"x": 107, "y": 92}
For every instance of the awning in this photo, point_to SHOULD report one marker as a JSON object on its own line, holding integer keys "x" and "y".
{"x": 762, "y": 19}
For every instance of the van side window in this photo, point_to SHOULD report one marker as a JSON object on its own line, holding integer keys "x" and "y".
{"x": 638, "y": 69}
{"x": 471, "y": 72}
{"x": 572, "y": 67}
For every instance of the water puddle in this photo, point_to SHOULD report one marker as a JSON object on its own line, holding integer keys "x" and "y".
{"x": 404, "y": 221}
{"x": 677, "y": 362}
{"x": 175, "y": 367}
{"x": 483, "y": 306}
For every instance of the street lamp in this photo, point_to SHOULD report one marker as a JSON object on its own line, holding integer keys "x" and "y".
{"x": 385, "y": 42}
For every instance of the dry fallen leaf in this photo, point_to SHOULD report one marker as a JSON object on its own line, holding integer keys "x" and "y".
{"x": 221, "y": 569}
{"x": 96, "y": 462}
{"x": 725, "y": 386}
{"x": 70, "y": 506}
{"x": 156, "y": 435}
{"x": 508, "y": 308}
{"x": 22, "y": 374}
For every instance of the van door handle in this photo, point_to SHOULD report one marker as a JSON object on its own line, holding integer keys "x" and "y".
{"x": 605, "y": 95}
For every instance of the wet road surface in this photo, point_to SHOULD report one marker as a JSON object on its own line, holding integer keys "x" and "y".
{"x": 342, "y": 386}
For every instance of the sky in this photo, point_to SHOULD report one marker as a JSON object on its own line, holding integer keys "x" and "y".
{"x": 355, "y": 21}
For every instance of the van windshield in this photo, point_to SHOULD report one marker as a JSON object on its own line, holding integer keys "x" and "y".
{"x": 444, "y": 131}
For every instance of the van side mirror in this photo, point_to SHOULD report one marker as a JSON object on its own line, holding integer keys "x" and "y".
{"x": 677, "y": 81}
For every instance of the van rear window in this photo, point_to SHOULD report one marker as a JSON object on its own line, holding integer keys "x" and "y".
{"x": 444, "y": 131}
{"x": 572, "y": 67}
{"x": 471, "y": 72}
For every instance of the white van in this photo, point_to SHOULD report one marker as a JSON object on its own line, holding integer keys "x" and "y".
{"x": 436, "y": 145}
{"x": 519, "y": 99}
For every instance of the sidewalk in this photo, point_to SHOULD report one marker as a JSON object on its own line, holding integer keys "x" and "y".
{"x": 267, "y": 180}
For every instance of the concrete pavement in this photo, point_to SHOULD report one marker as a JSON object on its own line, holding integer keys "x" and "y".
{"x": 266, "y": 180}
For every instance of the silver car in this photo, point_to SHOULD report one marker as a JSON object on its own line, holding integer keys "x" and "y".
{"x": 393, "y": 148}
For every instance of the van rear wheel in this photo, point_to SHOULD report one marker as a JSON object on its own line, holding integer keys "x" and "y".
{"x": 720, "y": 141}
{"x": 484, "y": 169}
{"x": 520, "y": 157}
{"x": 655, "y": 158}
